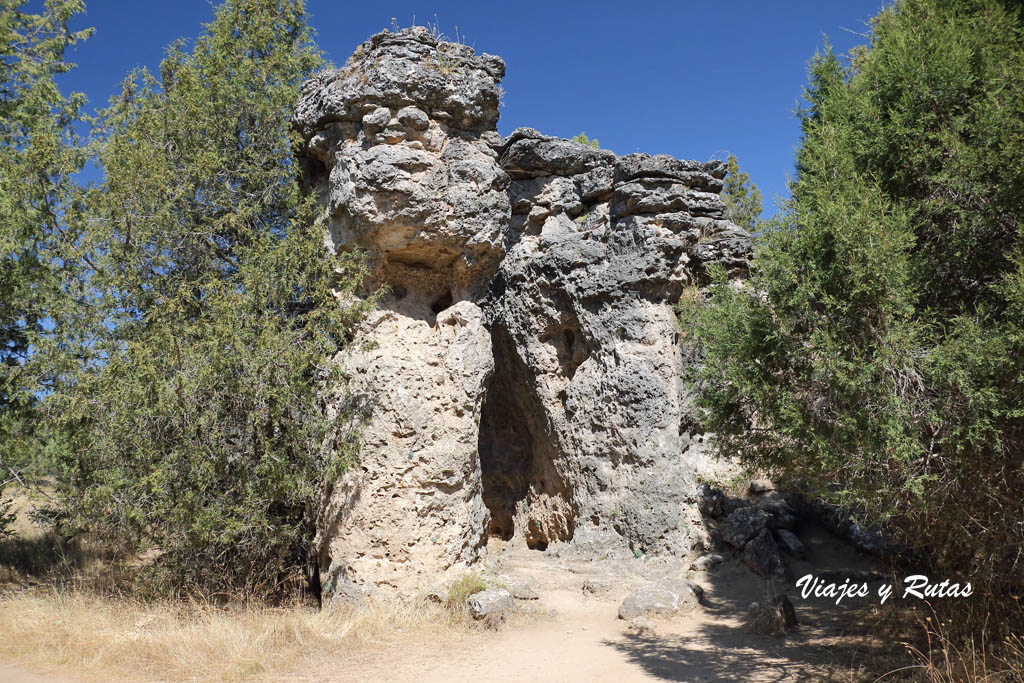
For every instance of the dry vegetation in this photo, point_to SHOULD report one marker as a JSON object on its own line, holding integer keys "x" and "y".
{"x": 64, "y": 607}
{"x": 107, "y": 637}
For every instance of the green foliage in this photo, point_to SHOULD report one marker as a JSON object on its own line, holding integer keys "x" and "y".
{"x": 741, "y": 197}
{"x": 877, "y": 351}
{"x": 584, "y": 140}
{"x": 463, "y": 588}
{"x": 38, "y": 156}
{"x": 192, "y": 348}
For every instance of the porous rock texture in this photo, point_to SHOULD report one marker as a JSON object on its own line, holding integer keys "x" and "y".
{"x": 588, "y": 431}
{"x": 522, "y": 377}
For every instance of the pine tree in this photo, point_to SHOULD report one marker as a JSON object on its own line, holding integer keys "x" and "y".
{"x": 194, "y": 400}
{"x": 741, "y": 197}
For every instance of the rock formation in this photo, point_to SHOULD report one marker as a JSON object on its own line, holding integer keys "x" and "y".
{"x": 523, "y": 373}
{"x": 587, "y": 426}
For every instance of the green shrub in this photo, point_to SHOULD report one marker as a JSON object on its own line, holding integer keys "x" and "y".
{"x": 584, "y": 140}
{"x": 877, "y": 351}
{"x": 195, "y": 388}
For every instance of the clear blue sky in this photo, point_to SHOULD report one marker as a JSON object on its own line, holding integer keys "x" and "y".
{"x": 694, "y": 80}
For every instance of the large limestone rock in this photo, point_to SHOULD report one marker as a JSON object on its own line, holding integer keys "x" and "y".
{"x": 412, "y": 506}
{"x": 588, "y": 431}
{"x": 401, "y": 149}
{"x": 523, "y": 376}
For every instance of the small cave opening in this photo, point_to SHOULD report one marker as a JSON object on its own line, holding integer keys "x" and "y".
{"x": 442, "y": 302}
{"x": 516, "y": 458}
{"x": 570, "y": 347}
{"x": 570, "y": 338}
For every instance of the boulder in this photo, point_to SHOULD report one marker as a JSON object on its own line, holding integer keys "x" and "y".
{"x": 776, "y": 616}
{"x": 731, "y": 504}
{"x": 742, "y": 525}
{"x": 661, "y": 600}
{"x": 490, "y": 604}
{"x": 710, "y": 501}
{"x": 761, "y": 555}
{"x": 781, "y": 514}
{"x": 789, "y": 542}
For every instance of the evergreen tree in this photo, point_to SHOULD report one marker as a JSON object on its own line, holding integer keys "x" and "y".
{"x": 741, "y": 197}
{"x": 877, "y": 352}
{"x": 195, "y": 383}
{"x": 38, "y": 155}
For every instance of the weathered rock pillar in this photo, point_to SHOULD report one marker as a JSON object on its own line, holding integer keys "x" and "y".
{"x": 402, "y": 149}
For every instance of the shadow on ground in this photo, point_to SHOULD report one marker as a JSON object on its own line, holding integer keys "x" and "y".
{"x": 845, "y": 642}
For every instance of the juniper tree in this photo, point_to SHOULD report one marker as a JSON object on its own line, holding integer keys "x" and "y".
{"x": 741, "y": 197}
{"x": 584, "y": 140}
{"x": 39, "y": 154}
{"x": 877, "y": 352}
{"x": 193, "y": 403}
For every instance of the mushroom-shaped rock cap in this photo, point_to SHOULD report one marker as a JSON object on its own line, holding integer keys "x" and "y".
{"x": 412, "y": 67}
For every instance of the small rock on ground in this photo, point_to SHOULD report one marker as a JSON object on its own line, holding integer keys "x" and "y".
{"x": 522, "y": 590}
{"x": 706, "y": 562}
{"x": 661, "y": 600}
{"x": 490, "y": 603}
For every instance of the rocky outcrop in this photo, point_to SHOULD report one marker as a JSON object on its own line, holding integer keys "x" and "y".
{"x": 588, "y": 433}
{"x": 402, "y": 152}
{"x": 522, "y": 377}
{"x": 402, "y": 149}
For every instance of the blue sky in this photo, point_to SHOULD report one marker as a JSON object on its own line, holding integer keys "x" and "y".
{"x": 694, "y": 80}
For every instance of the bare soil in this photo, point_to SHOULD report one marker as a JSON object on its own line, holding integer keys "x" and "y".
{"x": 572, "y": 635}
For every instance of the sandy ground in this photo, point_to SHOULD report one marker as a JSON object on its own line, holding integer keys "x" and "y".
{"x": 569, "y": 635}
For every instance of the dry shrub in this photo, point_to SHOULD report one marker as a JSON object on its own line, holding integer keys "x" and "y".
{"x": 949, "y": 654}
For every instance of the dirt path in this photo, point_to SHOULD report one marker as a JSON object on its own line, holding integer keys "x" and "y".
{"x": 589, "y": 643}
{"x": 573, "y": 635}
{"x": 586, "y": 641}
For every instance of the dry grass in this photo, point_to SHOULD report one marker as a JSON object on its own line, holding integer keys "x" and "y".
{"x": 950, "y": 657}
{"x": 107, "y": 638}
{"x": 64, "y": 608}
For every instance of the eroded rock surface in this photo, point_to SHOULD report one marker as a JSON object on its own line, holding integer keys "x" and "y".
{"x": 402, "y": 149}
{"x": 412, "y": 507}
{"x": 523, "y": 376}
{"x": 402, "y": 152}
{"x": 588, "y": 432}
